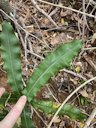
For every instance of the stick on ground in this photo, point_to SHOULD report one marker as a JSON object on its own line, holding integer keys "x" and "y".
{"x": 43, "y": 12}
{"x": 91, "y": 117}
{"x": 76, "y": 90}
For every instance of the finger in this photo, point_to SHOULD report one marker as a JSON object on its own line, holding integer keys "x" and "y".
{"x": 14, "y": 114}
{"x": 2, "y": 90}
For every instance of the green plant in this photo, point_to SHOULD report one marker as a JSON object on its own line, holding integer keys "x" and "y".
{"x": 60, "y": 58}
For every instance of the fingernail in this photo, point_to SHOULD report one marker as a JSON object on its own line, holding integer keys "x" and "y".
{"x": 24, "y": 97}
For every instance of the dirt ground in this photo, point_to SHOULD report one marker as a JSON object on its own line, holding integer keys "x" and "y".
{"x": 43, "y": 36}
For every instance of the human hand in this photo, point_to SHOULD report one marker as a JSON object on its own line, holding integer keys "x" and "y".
{"x": 13, "y": 115}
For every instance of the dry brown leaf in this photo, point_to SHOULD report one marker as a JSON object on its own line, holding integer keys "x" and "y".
{"x": 57, "y": 119}
{"x": 58, "y": 39}
{"x": 93, "y": 42}
{"x": 66, "y": 13}
{"x": 74, "y": 81}
{"x": 30, "y": 28}
{"x": 84, "y": 93}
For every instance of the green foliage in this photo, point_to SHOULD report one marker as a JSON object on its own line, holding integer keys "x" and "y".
{"x": 60, "y": 58}
{"x": 26, "y": 121}
{"x": 49, "y": 107}
{"x": 55, "y": 61}
{"x": 84, "y": 101}
{"x": 3, "y": 113}
{"x": 10, "y": 47}
{"x": 6, "y": 98}
{"x": 9, "y": 98}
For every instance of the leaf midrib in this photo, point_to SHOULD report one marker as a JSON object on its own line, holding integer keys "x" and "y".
{"x": 49, "y": 68}
{"x": 10, "y": 56}
{"x": 25, "y": 118}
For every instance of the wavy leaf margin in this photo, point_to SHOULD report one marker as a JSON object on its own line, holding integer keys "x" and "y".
{"x": 50, "y": 107}
{"x": 10, "y": 53}
{"x": 60, "y": 58}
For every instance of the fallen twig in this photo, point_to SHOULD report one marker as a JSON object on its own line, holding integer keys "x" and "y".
{"x": 77, "y": 89}
{"x": 43, "y": 12}
{"x": 91, "y": 48}
{"x": 90, "y": 62}
{"x": 14, "y": 20}
{"x": 40, "y": 31}
{"x": 89, "y": 120}
{"x": 39, "y": 116}
{"x": 64, "y": 7}
{"x": 18, "y": 26}
{"x": 84, "y": 21}
{"x": 74, "y": 74}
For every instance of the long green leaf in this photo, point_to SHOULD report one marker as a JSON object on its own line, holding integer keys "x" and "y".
{"x": 26, "y": 121}
{"x": 49, "y": 107}
{"x": 55, "y": 61}
{"x": 10, "y": 52}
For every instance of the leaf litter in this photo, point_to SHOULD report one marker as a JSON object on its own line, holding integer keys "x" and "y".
{"x": 46, "y": 38}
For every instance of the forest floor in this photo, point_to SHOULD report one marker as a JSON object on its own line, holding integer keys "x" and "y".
{"x": 42, "y": 32}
